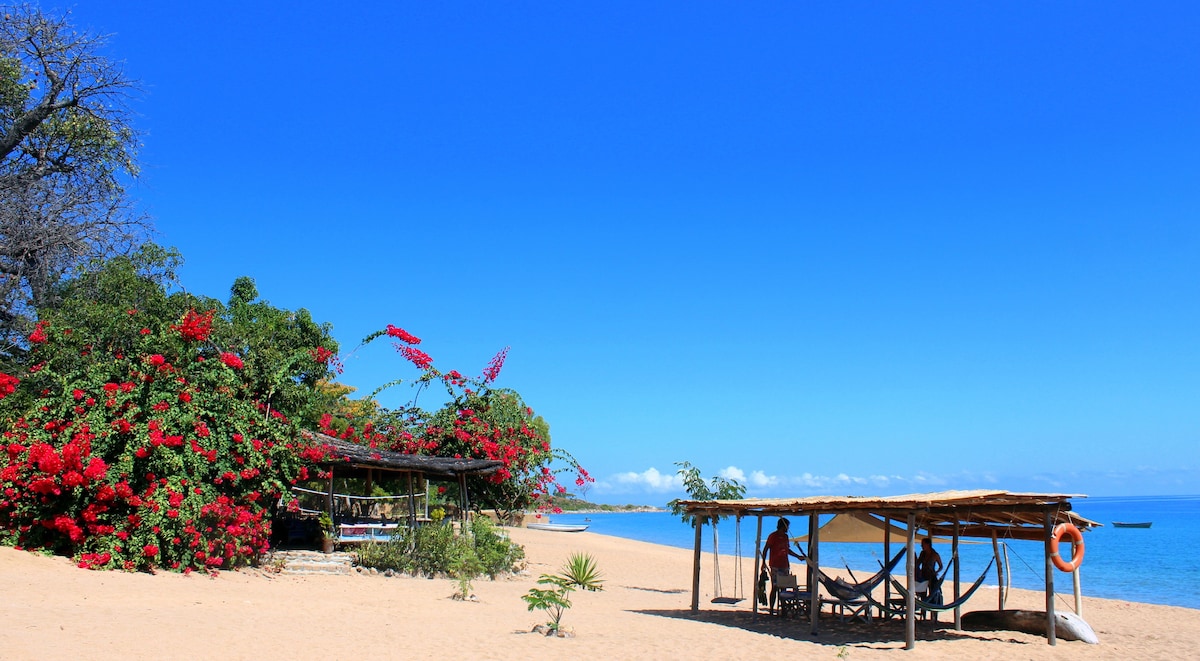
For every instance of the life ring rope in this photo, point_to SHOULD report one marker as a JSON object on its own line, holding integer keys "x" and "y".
{"x": 1076, "y": 537}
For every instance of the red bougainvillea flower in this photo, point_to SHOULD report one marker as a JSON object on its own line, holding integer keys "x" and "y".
{"x": 402, "y": 335}
{"x": 321, "y": 354}
{"x": 417, "y": 357}
{"x": 232, "y": 360}
{"x": 38, "y": 336}
{"x": 493, "y": 369}
{"x": 195, "y": 326}
{"x": 156, "y": 360}
{"x": 8, "y": 384}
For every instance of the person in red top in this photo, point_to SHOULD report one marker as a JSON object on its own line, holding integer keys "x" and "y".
{"x": 775, "y": 553}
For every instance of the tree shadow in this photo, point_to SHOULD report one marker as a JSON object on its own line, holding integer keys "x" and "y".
{"x": 877, "y": 634}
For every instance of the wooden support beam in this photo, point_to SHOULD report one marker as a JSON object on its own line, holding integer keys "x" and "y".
{"x": 1051, "y": 634}
{"x": 814, "y": 557}
{"x": 696, "y": 569}
{"x": 412, "y": 505}
{"x": 957, "y": 584}
{"x": 910, "y": 605}
{"x": 999, "y": 571}
{"x": 887, "y": 557}
{"x": 758, "y": 560}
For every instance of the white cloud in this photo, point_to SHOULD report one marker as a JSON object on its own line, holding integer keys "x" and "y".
{"x": 649, "y": 480}
{"x": 733, "y": 473}
{"x": 761, "y": 480}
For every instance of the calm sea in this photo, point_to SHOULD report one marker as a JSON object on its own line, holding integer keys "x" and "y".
{"x": 1154, "y": 565}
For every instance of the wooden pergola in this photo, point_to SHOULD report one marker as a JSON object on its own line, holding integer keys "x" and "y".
{"x": 983, "y": 514}
{"x": 351, "y": 459}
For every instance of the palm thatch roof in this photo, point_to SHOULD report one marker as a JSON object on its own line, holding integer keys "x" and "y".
{"x": 978, "y": 513}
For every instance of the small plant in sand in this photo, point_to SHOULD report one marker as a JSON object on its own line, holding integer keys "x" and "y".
{"x": 578, "y": 573}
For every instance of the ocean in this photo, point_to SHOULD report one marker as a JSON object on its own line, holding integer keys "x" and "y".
{"x": 1151, "y": 565}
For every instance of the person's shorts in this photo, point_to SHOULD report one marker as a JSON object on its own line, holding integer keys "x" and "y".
{"x": 779, "y": 571}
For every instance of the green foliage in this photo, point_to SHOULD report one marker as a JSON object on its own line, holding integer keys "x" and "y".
{"x": 136, "y": 431}
{"x": 580, "y": 572}
{"x": 326, "y": 525}
{"x": 435, "y": 550}
{"x": 497, "y": 554}
{"x": 717, "y": 488}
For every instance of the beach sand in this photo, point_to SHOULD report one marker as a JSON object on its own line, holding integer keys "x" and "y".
{"x": 52, "y": 610}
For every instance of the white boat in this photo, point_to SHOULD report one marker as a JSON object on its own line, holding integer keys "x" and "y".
{"x": 557, "y": 527}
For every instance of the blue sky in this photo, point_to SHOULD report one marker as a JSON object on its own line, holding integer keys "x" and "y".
{"x": 858, "y": 248}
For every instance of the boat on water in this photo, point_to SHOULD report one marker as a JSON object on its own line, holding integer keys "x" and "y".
{"x": 557, "y": 527}
{"x": 1136, "y": 524}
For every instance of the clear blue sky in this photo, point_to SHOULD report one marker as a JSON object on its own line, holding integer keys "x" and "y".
{"x": 852, "y": 248}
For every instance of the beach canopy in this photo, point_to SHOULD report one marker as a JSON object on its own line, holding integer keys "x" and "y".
{"x": 859, "y": 527}
{"x": 979, "y": 513}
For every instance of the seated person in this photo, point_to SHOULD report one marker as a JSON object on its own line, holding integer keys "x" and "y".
{"x": 929, "y": 563}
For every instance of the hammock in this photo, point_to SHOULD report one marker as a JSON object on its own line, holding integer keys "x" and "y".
{"x": 942, "y": 608}
{"x": 850, "y": 591}
{"x": 870, "y": 583}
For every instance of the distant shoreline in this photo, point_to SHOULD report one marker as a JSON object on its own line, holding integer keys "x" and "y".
{"x": 622, "y": 510}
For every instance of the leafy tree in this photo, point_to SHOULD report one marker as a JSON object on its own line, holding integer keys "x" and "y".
{"x": 717, "y": 488}
{"x": 66, "y": 145}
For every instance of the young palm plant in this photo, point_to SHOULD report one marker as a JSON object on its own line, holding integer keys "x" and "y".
{"x": 578, "y": 573}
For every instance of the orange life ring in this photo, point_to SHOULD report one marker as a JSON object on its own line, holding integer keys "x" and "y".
{"x": 1071, "y": 531}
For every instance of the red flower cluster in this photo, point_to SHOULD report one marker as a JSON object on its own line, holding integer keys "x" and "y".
{"x": 8, "y": 384}
{"x": 494, "y": 366}
{"x": 417, "y": 357}
{"x": 321, "y": 354}
{"x": 38, "y": 336}
{"x": 402, "y": 335}
{"x": 195, "y": 326}
{"x": 168, "y": 465}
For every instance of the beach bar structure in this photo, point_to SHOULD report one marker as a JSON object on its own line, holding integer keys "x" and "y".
{"x": 347, "y": 459}
{"x": 981, "y": 514}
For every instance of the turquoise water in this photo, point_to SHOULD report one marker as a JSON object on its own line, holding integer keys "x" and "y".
{"x": 1154, "y": 565}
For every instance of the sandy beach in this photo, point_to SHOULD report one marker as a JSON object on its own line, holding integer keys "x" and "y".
{"x": 52, "y": 610}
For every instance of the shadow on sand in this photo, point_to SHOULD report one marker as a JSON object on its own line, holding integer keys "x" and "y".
{"x": 878, "y": 634}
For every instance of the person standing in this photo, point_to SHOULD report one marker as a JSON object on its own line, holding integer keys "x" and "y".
{"x": 775, "y": 553}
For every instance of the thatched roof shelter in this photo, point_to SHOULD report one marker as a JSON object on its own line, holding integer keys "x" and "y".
{"x": 989, "y": 514}
{"x": 347, "y": 457}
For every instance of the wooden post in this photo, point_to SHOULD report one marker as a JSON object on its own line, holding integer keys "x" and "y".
{"x": 887, "y": 557}
{"x": 910, "y": 604}
{"x": 1051, "y": 634}
{"x": 758, "y": 559}
{"x": 814, "y": 566}
{"x": 696, "y": 567}
{"x": 329, "y": 497}
{"x": 412, "y": 505}
{"x": 1075, "y": 582}
{"x": 464, "y": 499}
{"x": 999, "y": 571}
{"x": 954, "y": 558}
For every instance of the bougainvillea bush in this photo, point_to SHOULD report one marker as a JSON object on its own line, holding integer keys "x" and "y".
{"x": 479, "y": 421}
{"x": 143, "y": 429}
